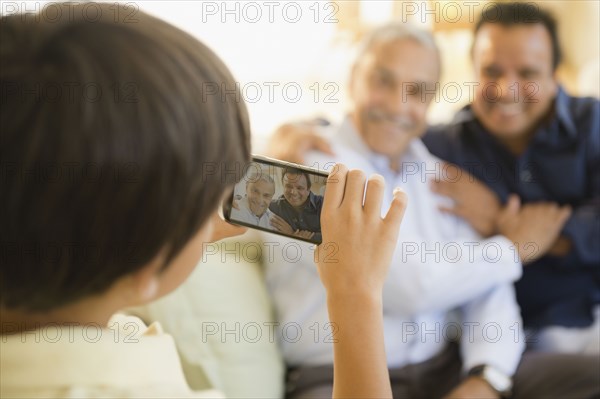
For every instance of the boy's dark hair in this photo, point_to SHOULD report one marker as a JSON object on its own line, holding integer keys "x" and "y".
{"x": 511, "y": 13}
{"x": 117, "y": 143}
{"x": 294, "y": 171}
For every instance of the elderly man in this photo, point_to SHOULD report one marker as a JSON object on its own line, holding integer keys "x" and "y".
{"x": 254, "y": 207}
{"x": 298, "y": 210}
{"x": 524, "y": 135}
{"x": 433, "y": 272}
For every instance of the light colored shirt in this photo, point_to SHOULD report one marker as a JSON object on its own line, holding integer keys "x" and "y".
{"x": 441, "y": 269}
{"x": 244, "y": 214}
{"x": 127, "y": 360}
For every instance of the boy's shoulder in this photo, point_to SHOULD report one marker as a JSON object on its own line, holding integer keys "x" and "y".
{"x": 126, "y": 360}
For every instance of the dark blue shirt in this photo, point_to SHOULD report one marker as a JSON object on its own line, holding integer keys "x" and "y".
{"x": 309, "y": 218}
{"x": 561, "y": 164}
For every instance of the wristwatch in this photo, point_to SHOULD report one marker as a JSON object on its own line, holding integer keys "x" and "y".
{"x": 498, "y": 380}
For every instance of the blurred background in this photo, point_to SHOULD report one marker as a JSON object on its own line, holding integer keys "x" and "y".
{"x": 292, "y": 58}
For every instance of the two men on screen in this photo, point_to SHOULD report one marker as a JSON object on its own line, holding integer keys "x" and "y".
{"x": 296, "y": 212}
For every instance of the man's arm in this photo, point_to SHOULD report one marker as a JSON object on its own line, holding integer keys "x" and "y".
{"x": 583, "y": 227}
{"x": 492, "y": 335}
{"x": 292, "y": 141}
{"x": 441, "y": 275}
{"x": 471, "y": 266}
{"x": 583, "y": 232}
{"x": 493, "y": 330}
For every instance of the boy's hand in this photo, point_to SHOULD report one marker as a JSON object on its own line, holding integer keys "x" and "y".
{"x": 357, "y": 242}
{"x": 222, "y": 229}
{"x": 353, "y": 261}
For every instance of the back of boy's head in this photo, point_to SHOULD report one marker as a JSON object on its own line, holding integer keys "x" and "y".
{"x": 117, "y": 142}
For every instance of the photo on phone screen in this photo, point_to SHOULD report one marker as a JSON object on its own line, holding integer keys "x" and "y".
{"x": 279, "y": 197}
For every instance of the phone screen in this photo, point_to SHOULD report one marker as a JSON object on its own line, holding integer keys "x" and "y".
{"x": 279, "y": 197}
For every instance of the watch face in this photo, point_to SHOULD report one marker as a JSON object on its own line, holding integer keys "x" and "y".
{"x": 498, "y": 380}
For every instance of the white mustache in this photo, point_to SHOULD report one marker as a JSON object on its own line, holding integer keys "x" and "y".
{"x": 377, "y": 115}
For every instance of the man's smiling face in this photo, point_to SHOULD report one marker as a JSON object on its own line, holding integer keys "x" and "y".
{"x": 295, "y": 189}
{"x": 514, "y": 70}
{"x": 260, "y": 194}
{"x": 391, "y": 88}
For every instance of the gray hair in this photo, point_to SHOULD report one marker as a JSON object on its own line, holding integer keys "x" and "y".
{"x": 392, "y": 32}
{"x": 255, "y": 177}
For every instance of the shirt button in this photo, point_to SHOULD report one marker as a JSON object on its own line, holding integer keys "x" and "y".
{"x": 526, "y": 176}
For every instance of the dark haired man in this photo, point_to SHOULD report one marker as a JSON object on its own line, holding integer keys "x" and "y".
{"x": 524, "y": 135}
{"x": 298, "y": 210}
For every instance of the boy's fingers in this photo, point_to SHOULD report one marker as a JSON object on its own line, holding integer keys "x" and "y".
{"x": 334, "y": 189}
{"x": 396, "y": 212}
{"x": 374, "y": 195}
{"x": 355, "y": 188}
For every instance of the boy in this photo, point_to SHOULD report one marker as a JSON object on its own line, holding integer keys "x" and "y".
{"x": 114, "y": 160}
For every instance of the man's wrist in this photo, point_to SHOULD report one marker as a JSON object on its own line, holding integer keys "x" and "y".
{"x": 497, "y": 380}
{"x": 483, "y": 388}
{"x": 517, "y": 245}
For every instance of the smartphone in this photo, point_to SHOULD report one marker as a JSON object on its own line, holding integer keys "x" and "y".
{"x": 278, "y": 197}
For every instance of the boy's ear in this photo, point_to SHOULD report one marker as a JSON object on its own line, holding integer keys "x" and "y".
{"x": 145, "y": 283}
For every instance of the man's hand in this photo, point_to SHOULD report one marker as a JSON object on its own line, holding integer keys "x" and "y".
{"x": 292, "y": 141}
{"x": 304, "y": 234}
{"x": 473, "y": 200}
{"x": 281, "y": 225}
{"x": 561, "y": 247}
{"x": 473, "y": 388}
{"x": 534, "y": 228}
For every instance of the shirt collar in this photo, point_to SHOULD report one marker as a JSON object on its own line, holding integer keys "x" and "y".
{"x": 312, "y": 200}
{"x": 91, "y": 356}
{"x": 464, "y": 115}
{"x": 563, "y": 113}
